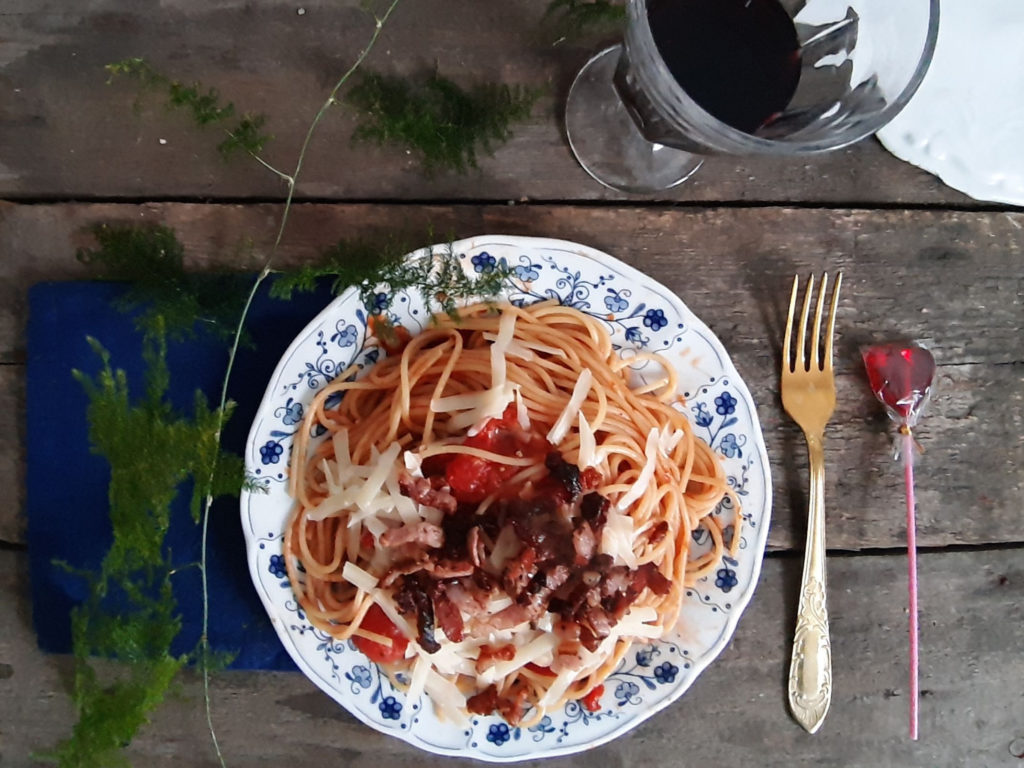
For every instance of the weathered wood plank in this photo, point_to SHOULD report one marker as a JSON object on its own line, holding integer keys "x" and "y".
{"x": 956, "y": 284}
{"x": 950, "y": 278}
{"x": 68, "y": 135}
{"x": 735, "y": 714}
{"x": 12, "y": 457}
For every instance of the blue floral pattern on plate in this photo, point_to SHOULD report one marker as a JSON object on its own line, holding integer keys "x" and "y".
{"x": 641, "y": 315}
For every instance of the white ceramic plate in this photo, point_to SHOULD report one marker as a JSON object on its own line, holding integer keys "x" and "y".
{"x": 965, "y": 124}
{"x": 640, "y": 313}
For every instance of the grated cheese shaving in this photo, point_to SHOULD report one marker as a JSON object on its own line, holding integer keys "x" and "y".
{"x": 559, "y": 686}
{"x": 417, "y": 681}
{"x": 446, "y": 697}
{"x": 499, "y": 348}
{"x": 413, "y": 463}
{"x": 357, "y": 577}
{"x": 493, "y": 405}
{"x": 341, "y": 450}
{"x": 531, "y": 651}
{"x": 375, "y": 525}
{"x": 617, "y": 538}
{"x": 529, "y": 346}
{"x": 588, "y": 444}
{"x": 636, "y": 623}
{"x": 568, "y": 415}
{"x": 522, "y": 416}
{"x": 382, "y": 465}
{"x": 639, "y": 486}
{"x": 667, "y": 441}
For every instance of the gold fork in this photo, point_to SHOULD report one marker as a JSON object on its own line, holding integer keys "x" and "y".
{"x": 809, "y": 397}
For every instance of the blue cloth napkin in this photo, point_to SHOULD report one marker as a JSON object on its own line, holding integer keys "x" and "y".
{"x": 66, "y": 484}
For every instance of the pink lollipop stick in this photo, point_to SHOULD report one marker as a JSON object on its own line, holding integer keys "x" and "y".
{"x": 908, "y": 476}
{"x": 901, "y": 378}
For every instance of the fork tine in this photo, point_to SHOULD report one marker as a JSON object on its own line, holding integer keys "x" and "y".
{"x": 803, "y": 325}
{"x": 832, "y": 321}
{"x": 814, "y": 357}
{"x": 787, "y": 364}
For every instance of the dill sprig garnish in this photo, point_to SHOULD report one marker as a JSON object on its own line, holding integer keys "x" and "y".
{"x": 438, "y": 278}
{"x": 130, "y": 614}
{"x": 570, "y": 18}
{"x": 443, "y": 123}
{"x": 204, "y": 105}
{"x": 151, "y": 260}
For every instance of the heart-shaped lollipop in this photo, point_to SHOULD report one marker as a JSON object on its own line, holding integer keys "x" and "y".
{"x": 901, "y": 377}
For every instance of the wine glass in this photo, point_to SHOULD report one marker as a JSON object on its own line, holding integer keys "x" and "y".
{"x": 702, "y": 77}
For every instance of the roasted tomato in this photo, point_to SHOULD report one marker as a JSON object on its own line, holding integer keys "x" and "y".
{"x": 592, "y": 701}
{"x": 471, "y": 478}
{"x": 377, "y": 621}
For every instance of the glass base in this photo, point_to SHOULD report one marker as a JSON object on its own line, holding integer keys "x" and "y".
{"x": 606, "y": 141}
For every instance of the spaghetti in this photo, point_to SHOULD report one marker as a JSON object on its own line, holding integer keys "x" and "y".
{"x": 495, "y": 514}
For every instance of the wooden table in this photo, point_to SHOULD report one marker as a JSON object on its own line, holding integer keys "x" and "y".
{"x": 920, "y": 260}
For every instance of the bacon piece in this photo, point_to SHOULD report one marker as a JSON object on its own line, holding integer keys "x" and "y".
{"x": 449, "y": 618}
{"x": 410, "y": 560}
{"x": 567, "y": 656}
{"x": 422, "y": 490}
{"x": 513, "y": 708}
{"x": 475, "y": 546}
{"x": 594, "y": 509}
{"x": 595, "y": 625}
{"x": 658, "y": 533}
{"x": 422, "y": 533}
{"x": 590, "y": 478}
{"x": 648, "y": 575}
{"x": 488, "y": 701}
{"x": 618, "y": 579}
{"x": 451, "y": 569}
{"x": 489, "y": 654}
{"x": 510, "y": 616}
{"x": 555, "y": 577}
{"x": 519, "y": 571}
{"x": 467, "y": 595}
{"x": 412, "y": 599}
{"x": 567, "y": 475}
{"x": 485, "y": 702}
{"x": 584, "y": 542}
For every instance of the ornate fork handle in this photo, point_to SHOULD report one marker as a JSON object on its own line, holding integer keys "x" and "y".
{"x": 810, "y": 671}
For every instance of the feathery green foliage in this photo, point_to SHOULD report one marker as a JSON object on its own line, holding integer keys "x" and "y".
{"x": 130, "y": 614}
{"x": 572, "y": 18}
{"x": 444, "y": 124}
{"x": 204, "y": 104}
{"x": 440, "y": 280}
{"x": 151, "y": 260}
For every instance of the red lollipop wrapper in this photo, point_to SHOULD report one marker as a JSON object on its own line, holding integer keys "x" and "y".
{"x": 901, "y": 377}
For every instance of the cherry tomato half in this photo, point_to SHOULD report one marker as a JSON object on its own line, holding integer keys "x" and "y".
{"x": 377, "y": 621}
{"x": 592, "y": 701}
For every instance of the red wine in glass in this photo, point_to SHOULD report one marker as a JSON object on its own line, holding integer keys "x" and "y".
{"x": 738, "y": 59}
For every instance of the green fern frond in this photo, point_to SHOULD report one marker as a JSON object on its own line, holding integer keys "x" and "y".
{"x": 202, "y": 103}
{"x": 446, "y": 125}
{"x": 565, "y": 19}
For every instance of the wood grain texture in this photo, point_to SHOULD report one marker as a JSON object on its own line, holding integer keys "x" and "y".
{"x": 12, "y": 461}
{"x": 64, "y": 133}
{"x": 951, "y": 279}
{"x": 735, "y": 714}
